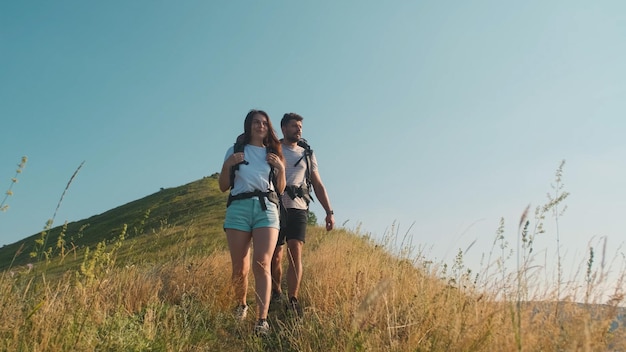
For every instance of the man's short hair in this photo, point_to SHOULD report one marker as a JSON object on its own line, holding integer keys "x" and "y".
{"x": 290, "y": 116}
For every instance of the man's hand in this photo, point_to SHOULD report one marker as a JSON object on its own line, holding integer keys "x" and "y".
{"x": 330, "y": 222}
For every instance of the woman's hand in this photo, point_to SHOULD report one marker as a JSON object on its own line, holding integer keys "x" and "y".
{"x": 235, "y": 159}
{"x": 278, "y": 165}
{"x": 275, "y": 161}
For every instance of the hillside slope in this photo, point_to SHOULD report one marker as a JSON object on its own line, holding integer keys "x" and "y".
{"x": 200, "y": 201}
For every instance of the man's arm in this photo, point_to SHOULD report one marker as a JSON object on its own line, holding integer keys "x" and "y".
{"x": 322, "y": 196}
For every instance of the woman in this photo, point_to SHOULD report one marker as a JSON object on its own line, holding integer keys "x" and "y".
{"x": 256, "y": 176}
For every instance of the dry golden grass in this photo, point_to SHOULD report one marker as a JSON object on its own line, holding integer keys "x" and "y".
{"x": 169, "y": 289}
{"x": 357, "y": 296}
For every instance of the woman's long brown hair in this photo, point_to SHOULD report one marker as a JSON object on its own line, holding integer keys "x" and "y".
{"x": 271, "y": 140}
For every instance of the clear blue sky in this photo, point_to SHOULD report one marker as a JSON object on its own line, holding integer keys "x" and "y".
{"x": 448, "y": 115}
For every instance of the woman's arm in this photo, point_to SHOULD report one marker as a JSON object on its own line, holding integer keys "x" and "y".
{"x": 281, "y": 182}
{"x": 224, "y": 180}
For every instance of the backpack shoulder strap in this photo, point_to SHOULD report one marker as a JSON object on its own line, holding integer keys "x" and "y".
{"x": 308, "y": 152}
{"x": 304, "y": 144}
{"x": 238, "y": 147}
{"x": 272, "y": 176}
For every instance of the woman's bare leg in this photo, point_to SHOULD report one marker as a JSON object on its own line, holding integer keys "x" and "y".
{"x": 239, "y": 246}
{"x": 264, "y": 244}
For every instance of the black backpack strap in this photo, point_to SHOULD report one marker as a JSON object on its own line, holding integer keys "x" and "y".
{"x": 282, "y": 211}
{"x": 299, "y": 191}
{"x": 237, "y": 148}
{"x": 272, "y": 176}
{"x": 270, "y": 195}
{"x": 308, "y": 153}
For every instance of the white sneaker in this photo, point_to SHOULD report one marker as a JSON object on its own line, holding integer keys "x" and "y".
{"x": 241, "y": 312}
{"x": 262, "y": 328}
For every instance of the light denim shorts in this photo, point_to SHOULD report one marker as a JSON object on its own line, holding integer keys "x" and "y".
{"x": 246, "y": 214}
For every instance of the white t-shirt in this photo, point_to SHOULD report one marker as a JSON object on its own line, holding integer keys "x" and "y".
{"x": 255, "y": 175}
{"x": 295, "y": 174}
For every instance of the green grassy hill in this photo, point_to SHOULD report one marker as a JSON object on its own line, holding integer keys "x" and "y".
{"x": 199, "y": 203}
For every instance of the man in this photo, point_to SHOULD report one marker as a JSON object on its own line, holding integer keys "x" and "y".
{"x": 300, "y": 162}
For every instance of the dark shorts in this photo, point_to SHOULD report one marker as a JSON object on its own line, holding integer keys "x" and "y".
{"x": 295, "y": 228}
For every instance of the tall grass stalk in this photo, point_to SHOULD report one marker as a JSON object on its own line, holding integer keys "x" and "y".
{"x": 559, "y": 196}
{"x": 9, "y": 192}
{"x": 43, "y": 241}
{"x": 522, "y": 236}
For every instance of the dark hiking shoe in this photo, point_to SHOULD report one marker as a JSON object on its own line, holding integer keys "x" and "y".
{"x": 295, "y": 307}
{"x": 277, "y": 298}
